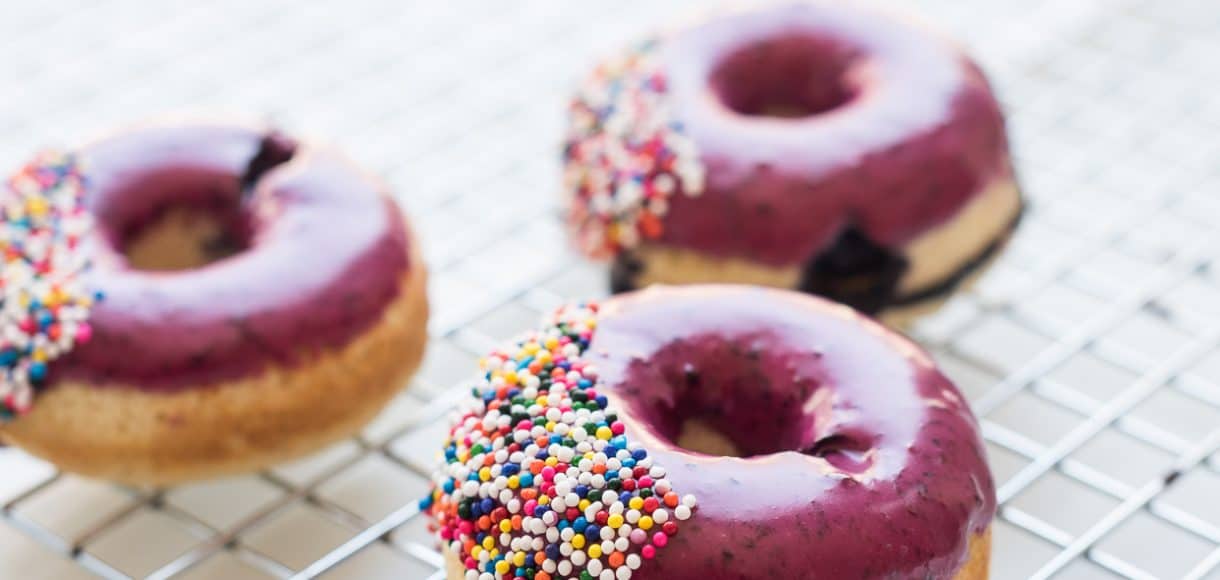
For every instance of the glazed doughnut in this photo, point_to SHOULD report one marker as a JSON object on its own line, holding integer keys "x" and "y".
{"x": 260, "y": 297}
{"x": 811, "y": 146}
{"x": 713, "y": 433}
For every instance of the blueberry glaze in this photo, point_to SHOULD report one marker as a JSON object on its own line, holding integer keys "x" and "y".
{"x": 325, "y": 252}
{"x": 859, "y": 458}
{"x": 815, "y": 118}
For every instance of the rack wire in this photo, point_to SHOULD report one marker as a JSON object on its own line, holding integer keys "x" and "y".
{"x": 1091, "y": 351}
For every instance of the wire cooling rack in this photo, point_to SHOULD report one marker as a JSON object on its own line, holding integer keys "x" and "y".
{"x": 1089, "y": 352}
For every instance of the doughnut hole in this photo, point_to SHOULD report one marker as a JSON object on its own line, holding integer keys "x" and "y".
{"x": 186, "y": 236}
{"x": 744, "y": 397}
{"x": 183, "y": 218}
{"x": 790, "y": 76}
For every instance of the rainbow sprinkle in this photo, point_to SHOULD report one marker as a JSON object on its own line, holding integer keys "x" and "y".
{"x": 538, "y": 480}
{"x": 625, "y": 155}
{"x": 44, "y": 306}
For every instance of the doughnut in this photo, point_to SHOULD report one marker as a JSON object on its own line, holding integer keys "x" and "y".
{"x": 713, "y": 432}
{"x": 218, "y": 297}
{"x": 810, "y": 146}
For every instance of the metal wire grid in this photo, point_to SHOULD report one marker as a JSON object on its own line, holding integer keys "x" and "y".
{"x": 1090, "y": 352}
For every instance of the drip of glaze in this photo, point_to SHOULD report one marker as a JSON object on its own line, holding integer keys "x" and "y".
{"x": 855, "y": 271}
{"x": 274, "y": 150}
{"x": 624, "y": 272}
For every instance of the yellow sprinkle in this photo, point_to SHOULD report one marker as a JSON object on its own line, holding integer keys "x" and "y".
{"x": 552, "y": 461}
{"x": 502, "y": 567}
{"x": 37, "y": 206}
{"x": 578, "y": 541}
{"x": 645, "y": 523}
{"x": 485, "y": 473}
{"x": 615, "y": 521}
{"x": 604, "y": 433}
{"x": 519, "y": 559}
{"x": 595, "y": 551}
{"x": 583, "y": 505}
{"x": 636, "y": 503}
{"x": 489, "y": 543}
{"x": 514, "y": 482}
{"x": 507, "y": 526}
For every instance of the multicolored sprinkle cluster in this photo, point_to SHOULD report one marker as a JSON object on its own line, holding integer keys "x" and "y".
{"x": 44, "y": 304}
{"x": 538, "y": 480}
{"x": 625, "y": 155}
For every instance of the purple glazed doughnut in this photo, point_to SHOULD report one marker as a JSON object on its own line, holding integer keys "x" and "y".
{"x": 807, "y": 145}
{"x": 261, "y": 297}
{"x": 811, "y": 441}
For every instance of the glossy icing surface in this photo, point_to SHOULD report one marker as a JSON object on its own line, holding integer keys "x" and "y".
{"x": 326, "y": 251}
{"x": 860, "y": 458}
{"x": 898, "y": 131}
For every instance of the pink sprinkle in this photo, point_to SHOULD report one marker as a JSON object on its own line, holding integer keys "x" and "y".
{"x": 660, "y": 539}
